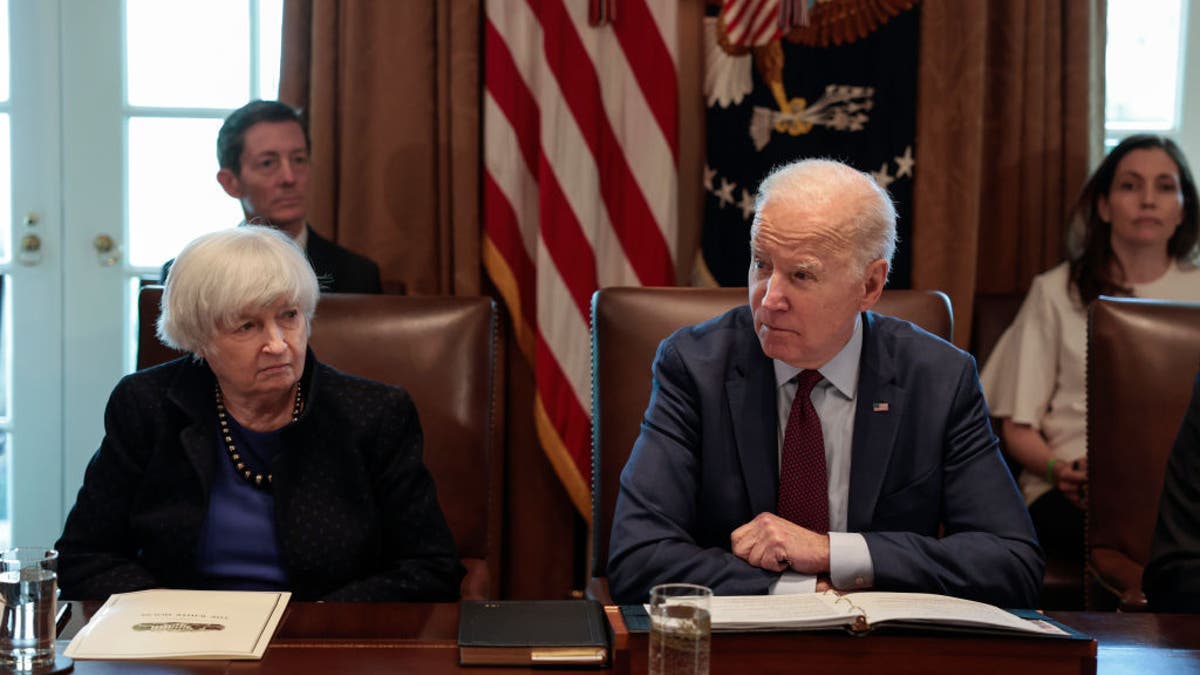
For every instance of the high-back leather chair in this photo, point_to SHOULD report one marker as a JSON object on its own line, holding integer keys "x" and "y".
{"x": 627, "y": 326}
{"x": 1141, "y": 361}
{"x": 446, "y": 351}
{"x": 991, "y": 315}
{"x": 1062, "y": 581}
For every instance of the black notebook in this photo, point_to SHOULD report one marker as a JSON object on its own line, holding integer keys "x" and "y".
{"x": 532, "y": 632}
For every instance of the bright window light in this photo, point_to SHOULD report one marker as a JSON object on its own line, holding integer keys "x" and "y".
{"x": 1143, "y": 62}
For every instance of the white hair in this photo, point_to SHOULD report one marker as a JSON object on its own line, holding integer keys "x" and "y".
{"x": 219, "y": 275}
{"x": 825, "y": 185}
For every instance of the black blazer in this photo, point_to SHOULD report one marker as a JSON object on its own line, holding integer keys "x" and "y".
{"x": 356, "y": 509}
{"x": 338, "y": 269}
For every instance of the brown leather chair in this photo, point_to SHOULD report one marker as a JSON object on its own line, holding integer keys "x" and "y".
{"x": 627, "y": 326}
{"x": 446, "y": 351}
{"x": 1141, "y": 361}
{"x": 991, "y": 316}
{"x": 1062, "y": 583}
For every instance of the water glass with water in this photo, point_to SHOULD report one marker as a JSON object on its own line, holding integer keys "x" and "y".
{"x": 28, "y": 600}
{"x": 680, "y": 629}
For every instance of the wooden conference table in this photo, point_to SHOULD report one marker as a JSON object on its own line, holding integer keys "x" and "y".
{"x": 421, "y": 638}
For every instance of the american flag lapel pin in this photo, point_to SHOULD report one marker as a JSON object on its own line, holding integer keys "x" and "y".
{"x": 879, "y": 406}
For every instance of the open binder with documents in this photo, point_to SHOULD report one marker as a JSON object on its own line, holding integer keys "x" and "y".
{"x": 863, "y": 612}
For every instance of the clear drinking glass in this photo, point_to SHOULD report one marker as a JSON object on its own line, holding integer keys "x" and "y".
{"x": 680, "y": 629}
{"x": 28, "y": 600}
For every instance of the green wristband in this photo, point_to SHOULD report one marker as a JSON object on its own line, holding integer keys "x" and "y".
{"x": 1050, "y": 470}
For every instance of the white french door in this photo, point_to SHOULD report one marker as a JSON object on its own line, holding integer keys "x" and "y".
{"x": 32, "y": 264}
{"x": 111, "y": 119}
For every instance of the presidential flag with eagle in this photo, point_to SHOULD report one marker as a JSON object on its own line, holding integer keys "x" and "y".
{"x": 787, "y": 79}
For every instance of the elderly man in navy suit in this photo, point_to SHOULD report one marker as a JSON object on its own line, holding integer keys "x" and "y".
{"x": 805, "y": 442}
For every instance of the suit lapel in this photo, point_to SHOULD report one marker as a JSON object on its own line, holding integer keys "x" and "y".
{"x": 877, "y": 414}
{"x": 318, "y": 250}
{"x": 192, "y": 393}
{"x": 750, "y": 389}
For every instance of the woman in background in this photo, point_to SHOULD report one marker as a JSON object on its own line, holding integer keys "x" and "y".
{"x": 250, "y": 464}
{"x": 1134, "y": 234}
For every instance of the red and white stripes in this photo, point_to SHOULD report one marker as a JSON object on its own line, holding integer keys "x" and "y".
{"x": 581, "y": 154}
{"x": 750, "y": 23}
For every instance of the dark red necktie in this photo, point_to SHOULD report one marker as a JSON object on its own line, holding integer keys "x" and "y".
{"x": 803, "y": 483}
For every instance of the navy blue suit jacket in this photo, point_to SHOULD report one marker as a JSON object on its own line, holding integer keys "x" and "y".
{"x": 928, "y": 489}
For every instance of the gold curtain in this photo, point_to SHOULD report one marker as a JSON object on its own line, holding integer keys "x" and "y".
{"x": 391, "y": 90}
{"x": 1010, "y": 121}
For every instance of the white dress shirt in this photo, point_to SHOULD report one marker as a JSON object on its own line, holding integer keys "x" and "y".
{"x": 834, "y": 398}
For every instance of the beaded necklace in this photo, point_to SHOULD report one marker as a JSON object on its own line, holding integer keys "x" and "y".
{"x": 259, "y": 480}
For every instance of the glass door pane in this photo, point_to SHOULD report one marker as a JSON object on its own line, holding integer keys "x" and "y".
{"x": 270, "y": 43}
{"x": 181, "y": 83}
{"x": 168, "y": 208}
{"x": 187, "y": 54}
{"x": 1143, "y": 58}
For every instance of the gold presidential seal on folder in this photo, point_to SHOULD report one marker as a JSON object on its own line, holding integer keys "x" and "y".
{"x": 175, "y": 624}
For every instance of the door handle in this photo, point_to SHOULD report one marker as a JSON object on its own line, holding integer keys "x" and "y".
{"x": 30, "y": 252}
{"x": 107, "y": 251}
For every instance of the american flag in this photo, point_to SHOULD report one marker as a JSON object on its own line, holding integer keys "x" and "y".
{"x": 753, "y": 23}
{"x": 581, "y": 154}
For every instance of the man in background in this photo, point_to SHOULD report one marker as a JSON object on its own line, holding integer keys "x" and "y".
{"x": 263, "y": 150}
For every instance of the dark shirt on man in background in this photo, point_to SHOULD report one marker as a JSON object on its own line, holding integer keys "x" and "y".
{"x": 338, "y": 270}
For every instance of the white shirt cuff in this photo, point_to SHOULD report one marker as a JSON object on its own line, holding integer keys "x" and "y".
{"x": 794, "y": 582}
{"x": 850, "y": 566}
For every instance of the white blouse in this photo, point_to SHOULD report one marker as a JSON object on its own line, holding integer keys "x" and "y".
{"x": 1035, "y": 375}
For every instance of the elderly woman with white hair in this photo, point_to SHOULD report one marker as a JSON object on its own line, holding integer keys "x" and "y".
{"x": 250, "y": 464}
